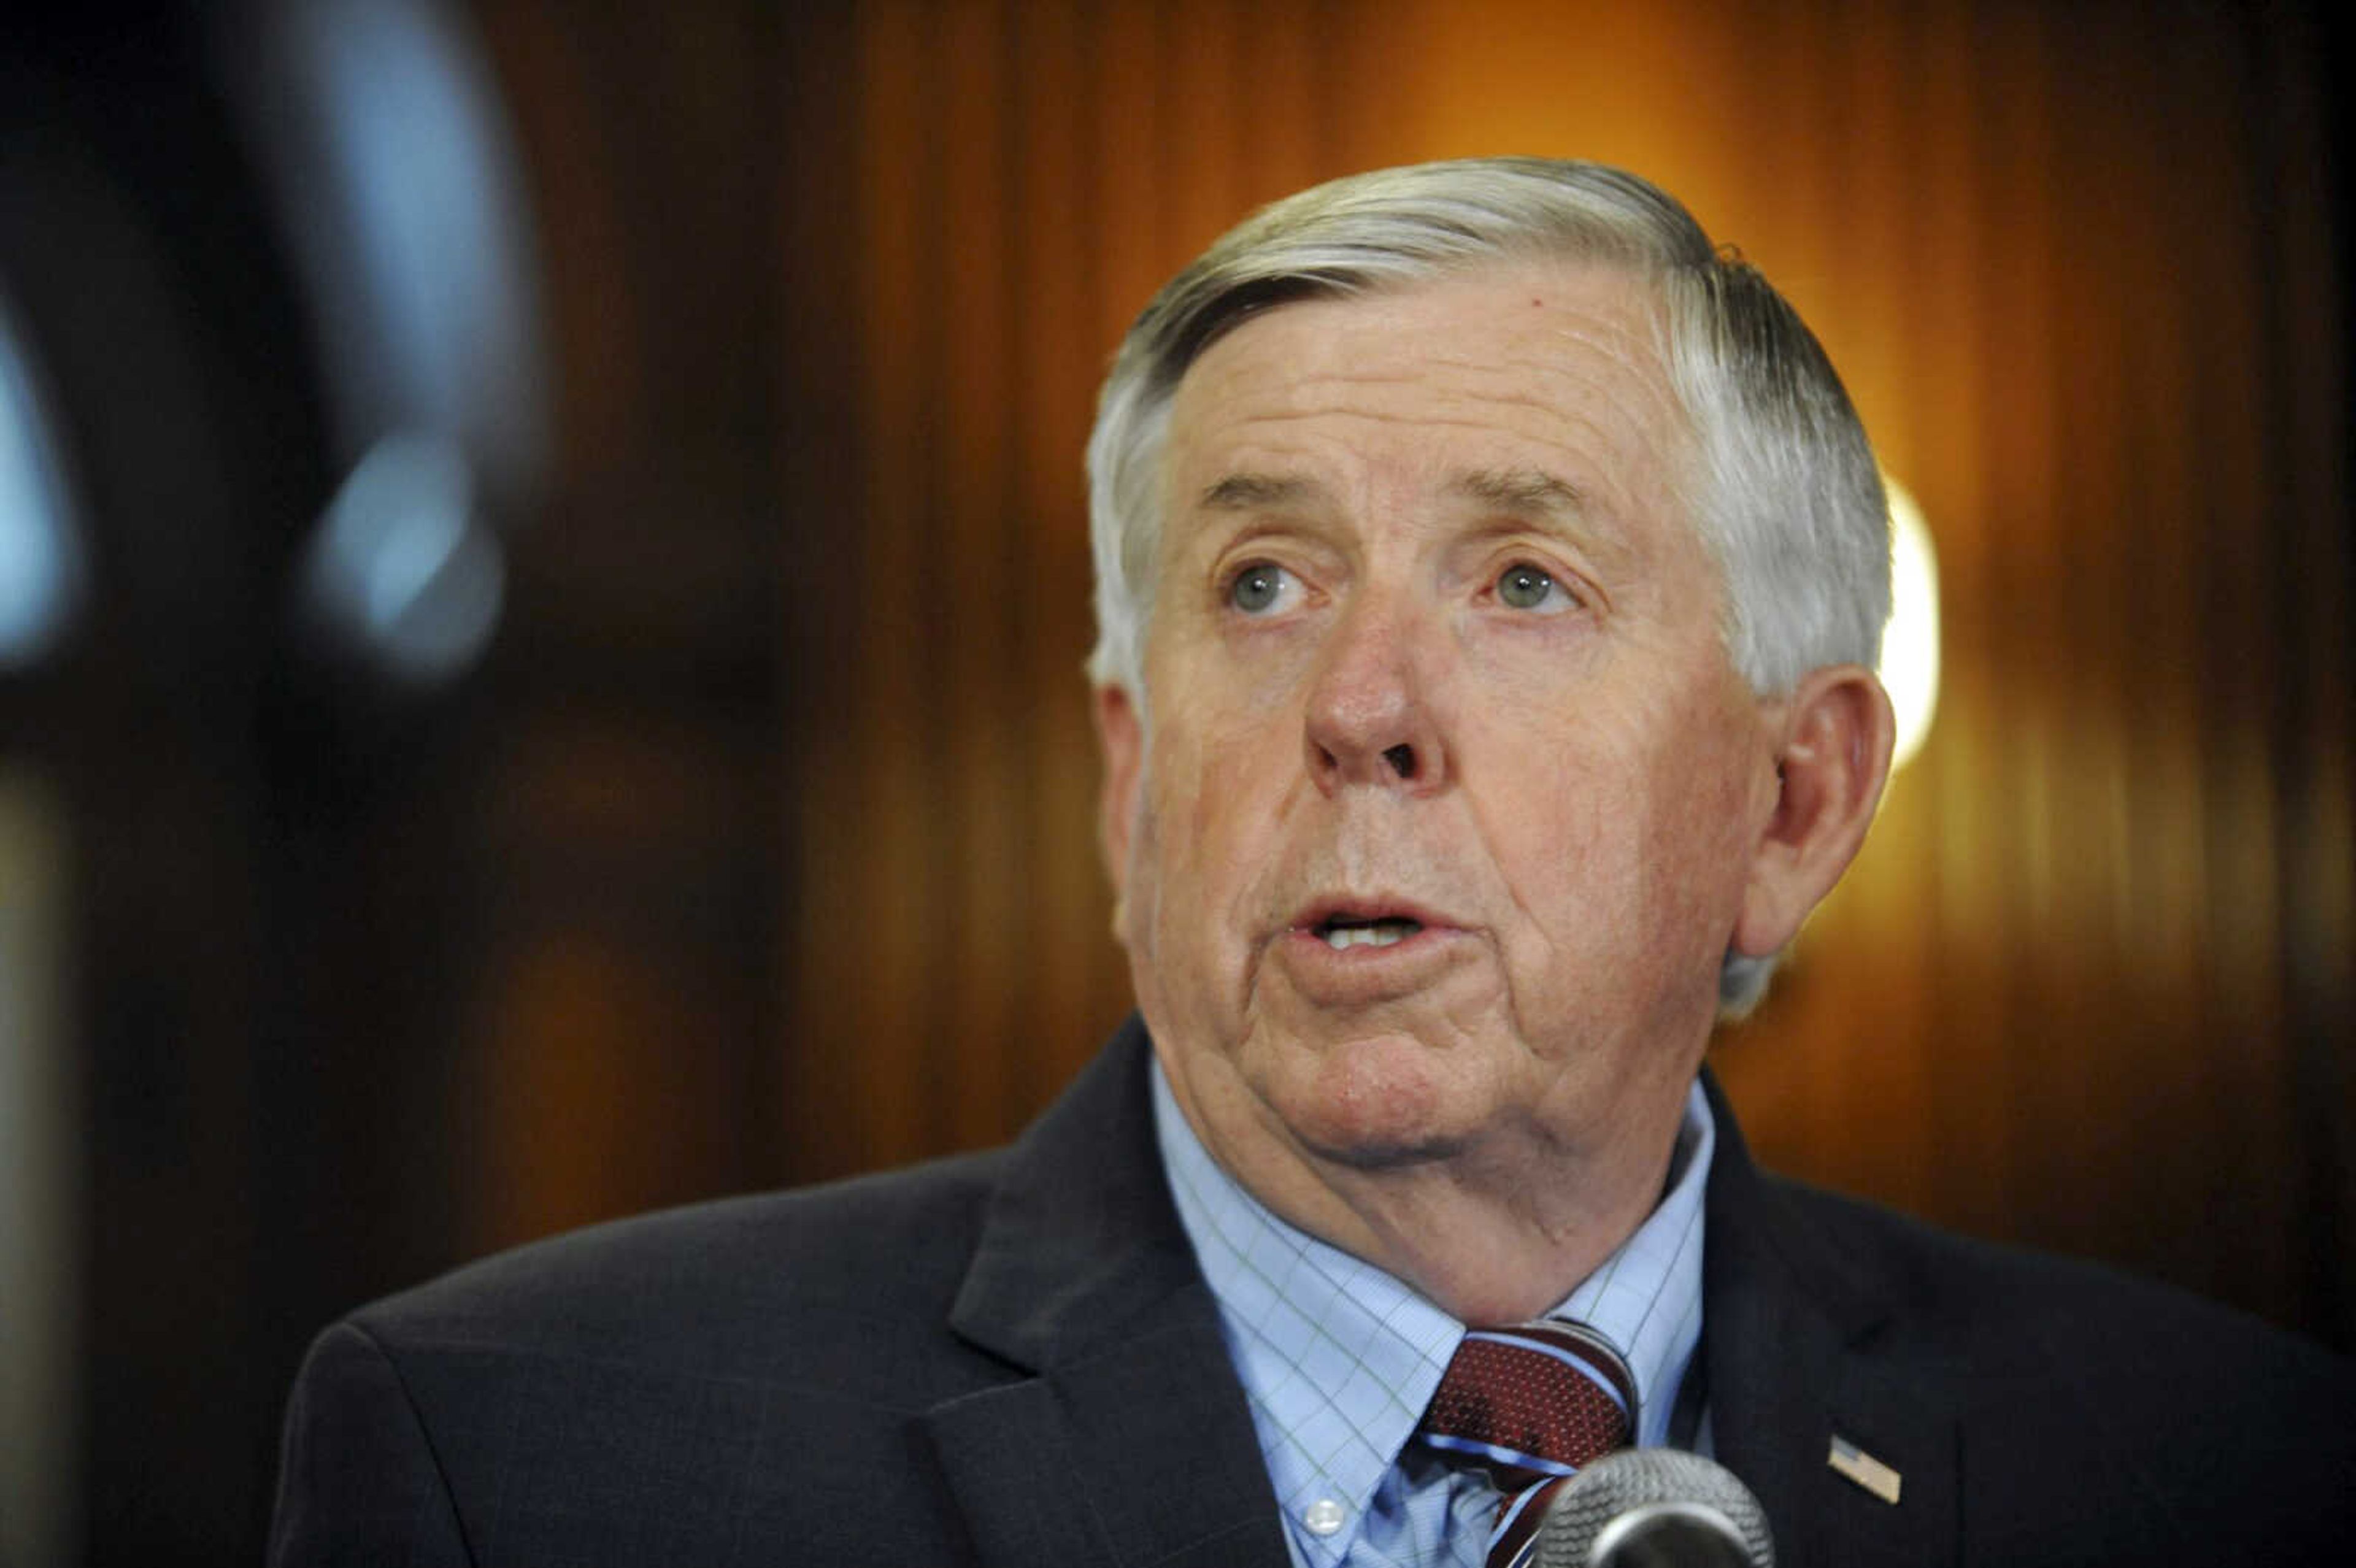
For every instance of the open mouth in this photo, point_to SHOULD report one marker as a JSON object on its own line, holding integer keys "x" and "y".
{"x": 1342, "y": 931}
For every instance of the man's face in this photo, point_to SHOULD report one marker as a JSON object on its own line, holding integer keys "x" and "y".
{"x": 1442, "y": 821}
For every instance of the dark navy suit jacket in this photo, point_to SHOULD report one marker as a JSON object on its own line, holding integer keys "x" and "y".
{"x": 1012, "y": 1359}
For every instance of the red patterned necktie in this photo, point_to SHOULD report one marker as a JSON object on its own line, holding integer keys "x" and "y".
{"x": 1529, "y": 1406}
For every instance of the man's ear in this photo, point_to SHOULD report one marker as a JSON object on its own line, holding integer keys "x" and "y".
{"x": 1120, "y": 735}
{"x": 1831, "y": 763}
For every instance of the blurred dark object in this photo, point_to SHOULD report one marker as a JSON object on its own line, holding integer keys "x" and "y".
{"x": 271, "y": 303}
{"x": 388, "y": 164}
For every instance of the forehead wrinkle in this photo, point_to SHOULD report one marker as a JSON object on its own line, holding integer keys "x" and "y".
{"x": 1377, "y": 416}
{"x": 1533, "y": 490}
{"x": 1475, "y": 378}
{"x": 1598, "y": 369}
{"x": 1299, "y": 406}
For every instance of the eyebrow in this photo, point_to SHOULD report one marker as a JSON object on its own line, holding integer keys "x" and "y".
{"x": 1507, "y": 489}
{"x": 1526, "y": 492}
{"x": 1257, "y": 492}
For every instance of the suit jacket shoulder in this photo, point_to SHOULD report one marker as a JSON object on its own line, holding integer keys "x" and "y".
{"x": 642, "y": 1391}
{"x": 1012, "y": 1358}
{"x": 2038, "y": 1409}
{"x": 1004, "y": 1357}
{"x": 702, "y": 1292}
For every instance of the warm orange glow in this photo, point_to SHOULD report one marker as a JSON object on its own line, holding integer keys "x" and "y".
{"x": 2098, "y": 920}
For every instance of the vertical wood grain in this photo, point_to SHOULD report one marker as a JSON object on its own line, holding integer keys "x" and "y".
{"x": 2087, "y": 986}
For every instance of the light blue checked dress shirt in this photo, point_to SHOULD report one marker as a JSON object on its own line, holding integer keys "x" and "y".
{"x": 1339, "y": 1360}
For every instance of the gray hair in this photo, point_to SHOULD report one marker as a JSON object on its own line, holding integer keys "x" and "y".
{"x": 1784, "y": 491}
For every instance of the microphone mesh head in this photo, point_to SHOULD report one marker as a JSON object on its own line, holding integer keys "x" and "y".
{"x": 1644, "y": 1477}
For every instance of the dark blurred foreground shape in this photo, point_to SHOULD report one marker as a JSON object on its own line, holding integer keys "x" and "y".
{"x": 540, "y": 674}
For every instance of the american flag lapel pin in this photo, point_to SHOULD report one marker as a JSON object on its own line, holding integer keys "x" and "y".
{"x": 1862, "y": 1467}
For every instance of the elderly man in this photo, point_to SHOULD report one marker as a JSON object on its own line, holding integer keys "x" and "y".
{"x": 1489, "y": 576}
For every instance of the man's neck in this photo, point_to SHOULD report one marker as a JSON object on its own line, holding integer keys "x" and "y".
{"x": 1494, "y": 1234}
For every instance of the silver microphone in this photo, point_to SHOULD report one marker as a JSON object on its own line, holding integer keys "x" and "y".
{"x": 1654, "y": 1507}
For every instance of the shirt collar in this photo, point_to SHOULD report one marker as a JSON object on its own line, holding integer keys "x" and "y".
{"x": 1339, "y": 1360}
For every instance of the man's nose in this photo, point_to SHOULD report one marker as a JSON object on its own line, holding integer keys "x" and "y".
{"x": 1371, "y": 719}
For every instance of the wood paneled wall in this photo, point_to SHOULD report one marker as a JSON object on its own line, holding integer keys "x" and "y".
{"x": 2088, "y": 986}
{"x": 1029, "y": 174}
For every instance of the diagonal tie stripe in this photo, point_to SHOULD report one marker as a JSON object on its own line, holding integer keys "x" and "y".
{"x": 1529, "y": 1406}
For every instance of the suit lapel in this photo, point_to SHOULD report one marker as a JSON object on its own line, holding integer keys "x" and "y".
{"x": 1795, "y": 1337}
{"x": 1128, "y": 1439}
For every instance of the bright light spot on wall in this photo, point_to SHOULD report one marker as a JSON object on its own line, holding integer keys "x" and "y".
{"x": 381, "y": 125}
{"x": 41, "y": 566}
{"x": 1909, "y": 648}
{"x": 402, "y": 567}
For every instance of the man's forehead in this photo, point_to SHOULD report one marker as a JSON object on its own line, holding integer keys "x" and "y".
{"x": 1535, "y": 389}
{"x": 1569, "y": 317}
{"x": 1622, "y": 301}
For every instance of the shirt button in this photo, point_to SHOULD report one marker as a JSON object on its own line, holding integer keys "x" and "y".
{"x": 1323, "y": 1517}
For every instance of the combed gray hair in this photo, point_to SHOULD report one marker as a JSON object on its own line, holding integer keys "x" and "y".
{"x": 1783, "y": 490}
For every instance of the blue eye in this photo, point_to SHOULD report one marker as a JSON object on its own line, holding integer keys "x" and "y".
{"x": 1526, "y": 587}
{"x": 1257, "y": 588}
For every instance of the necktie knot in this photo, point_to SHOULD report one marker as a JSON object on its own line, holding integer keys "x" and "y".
{"x": 1529, "y": 1406}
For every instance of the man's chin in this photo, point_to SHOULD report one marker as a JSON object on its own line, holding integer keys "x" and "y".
{"x": 1376, "y": 1155}
{"x": 1377, "y": 1105}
